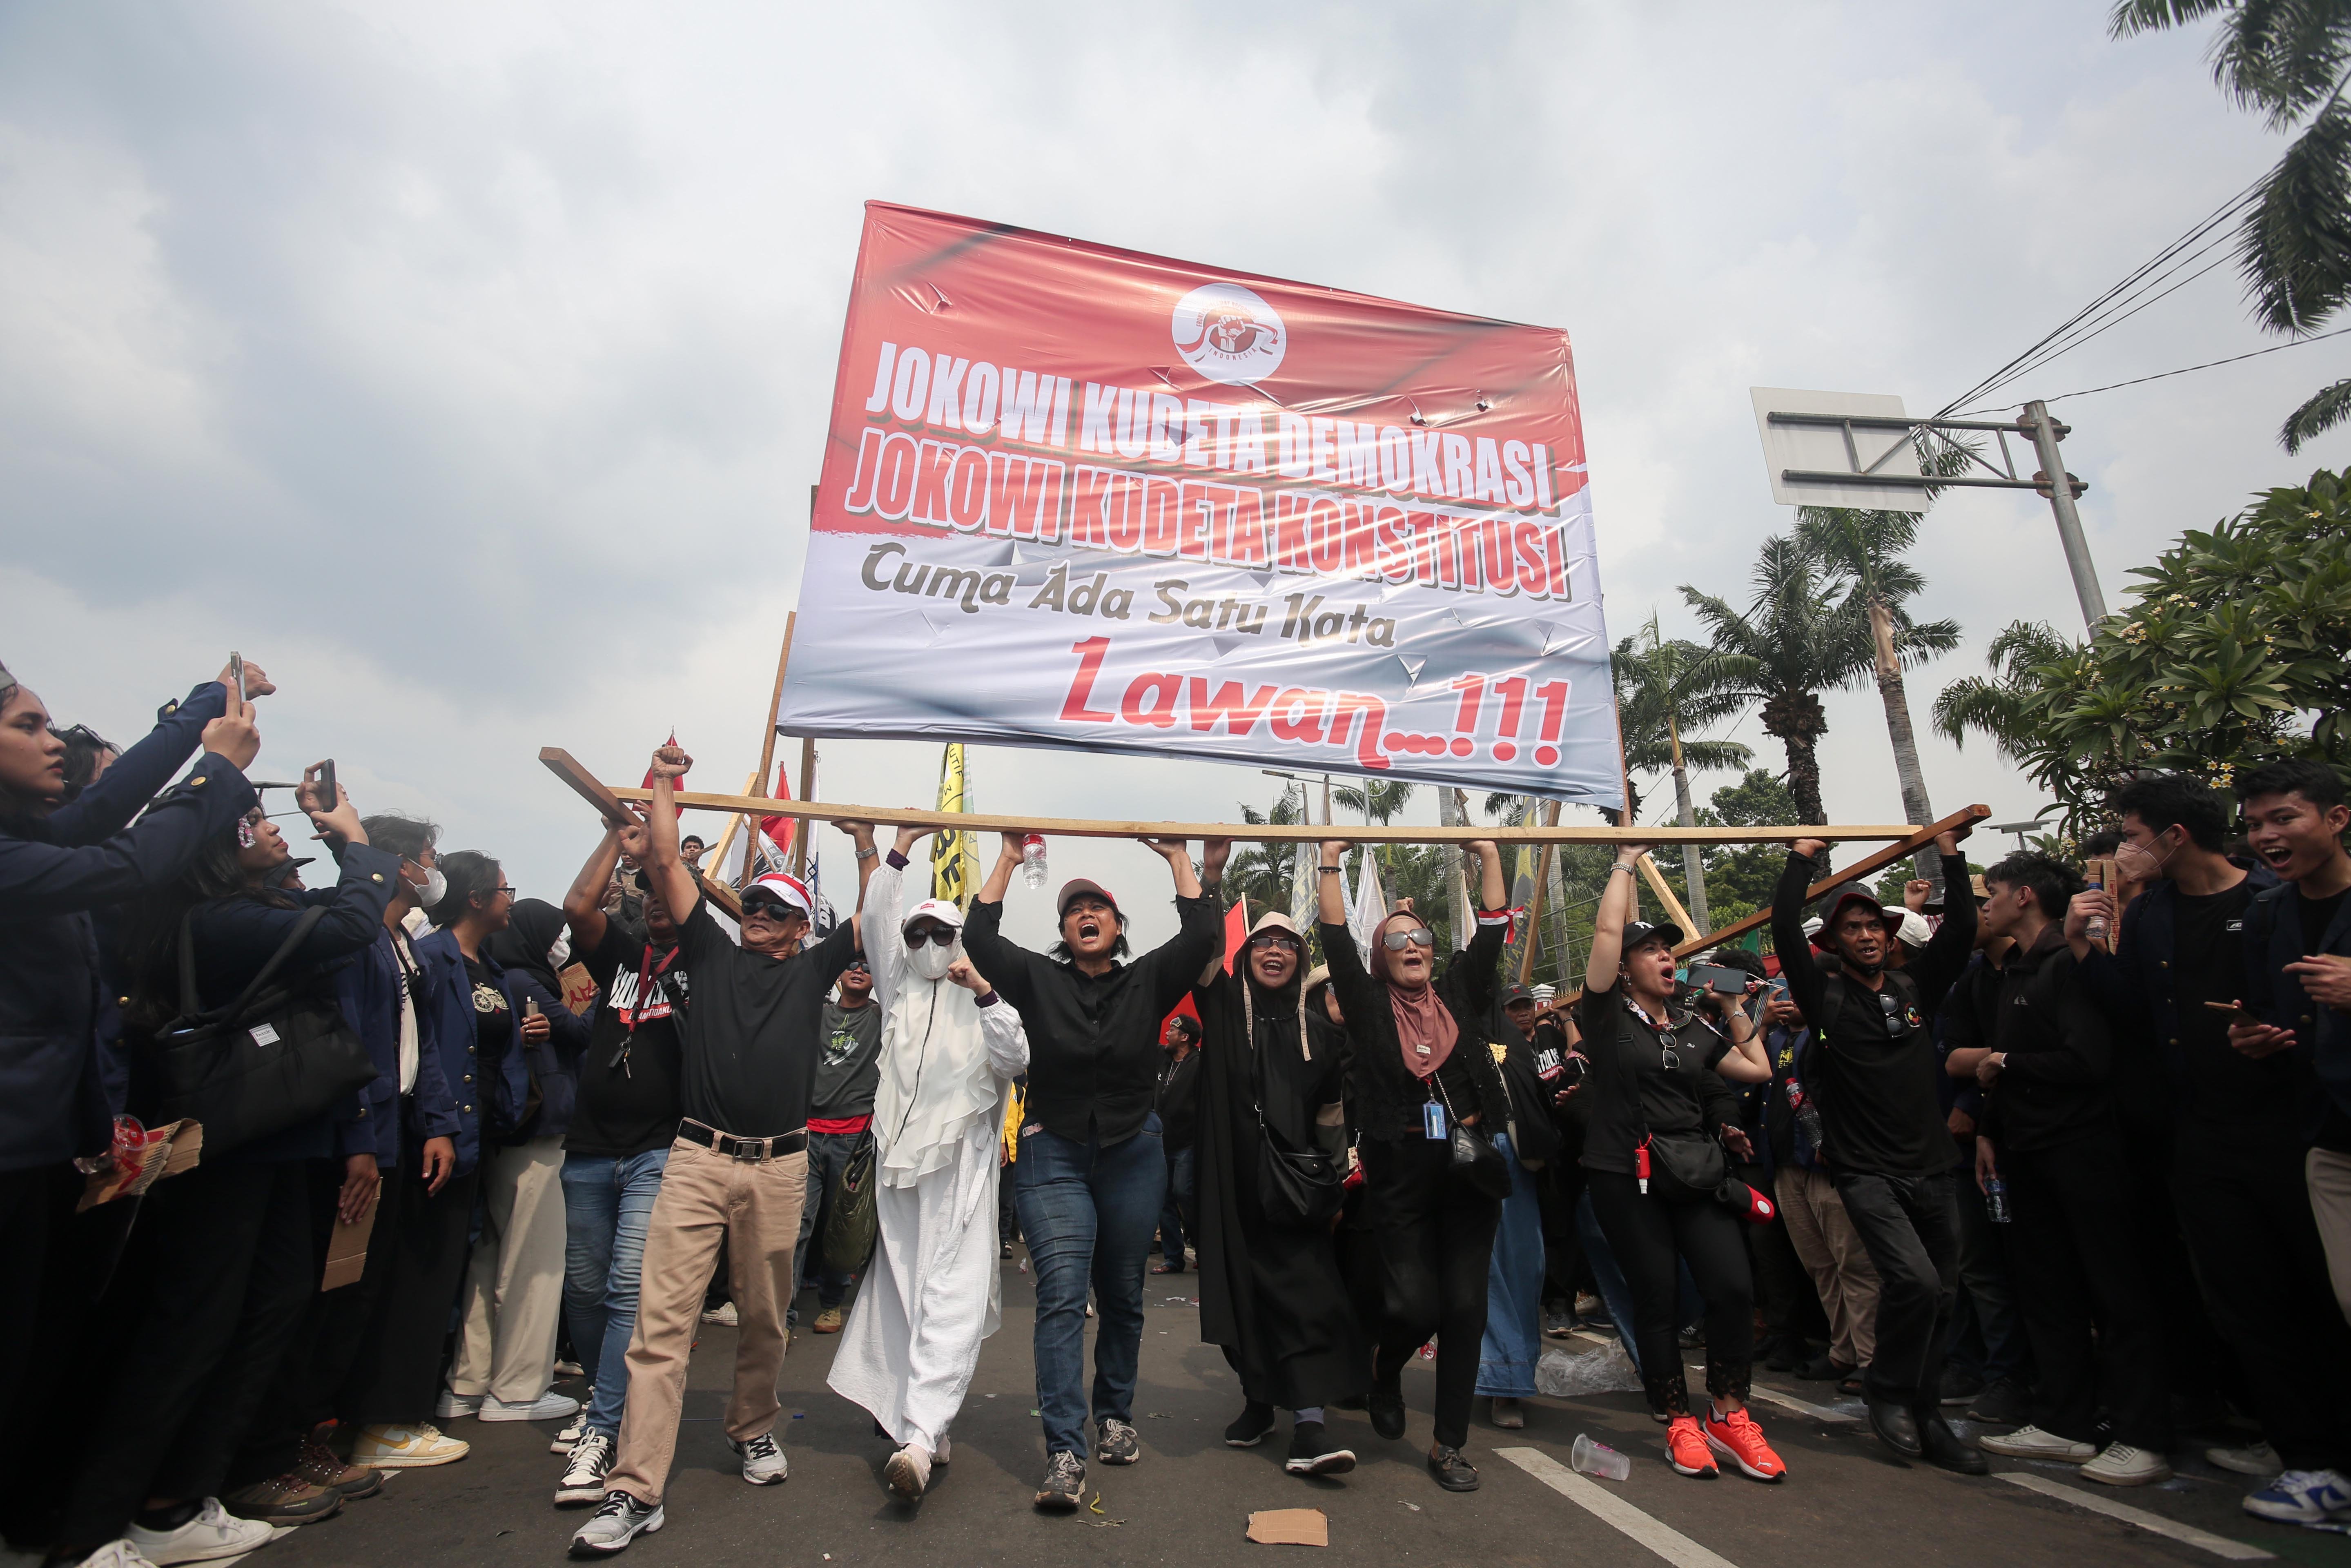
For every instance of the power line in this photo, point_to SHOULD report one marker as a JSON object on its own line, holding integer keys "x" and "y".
{"x": 2160, "y": 375}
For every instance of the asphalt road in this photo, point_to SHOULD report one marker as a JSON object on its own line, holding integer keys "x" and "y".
{"x": 1842, "y": 1502}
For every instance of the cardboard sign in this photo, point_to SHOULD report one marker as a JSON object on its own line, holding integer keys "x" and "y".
{"x": 1290, "y": 1527}
{"x": 578, "y": 988}
{"x": 347, "y": 1249}
{"x": 1083, "y": 497}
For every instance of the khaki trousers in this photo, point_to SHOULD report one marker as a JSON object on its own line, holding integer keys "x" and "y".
{"x": 513, "y": 1285}
{"x": 754, "y": 1205}
{"x": 1826, "y": 1244}
{"x": 2329, "y": 1175}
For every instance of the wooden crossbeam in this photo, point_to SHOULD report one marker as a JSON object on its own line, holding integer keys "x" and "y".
{"x": 1958, "y": 822}
{"x": 610, "y": 801}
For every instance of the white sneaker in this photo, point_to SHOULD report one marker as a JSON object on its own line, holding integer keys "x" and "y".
{"x": 547, "y": 1406}
{"x": 723, "y": 1315}
{"x": 2032, "y": 1443}
{"x": 399, "y": 1445}
{"x": 583, "y": 1478}
{"x": 2303, "y": 1497}
{"x": 2253, "y": 1460}
{"x": 576, "y": 1428}
{"x": 2123, "y": 1466}
{"x": 214, "y": 1532}
{"x": 453, "y": 1405}
{"x": 908, "y": 1472}
{"x": 763, "y": 1461}
{"x": 116, "y": 1555}
{"x": 621, "y": 1520}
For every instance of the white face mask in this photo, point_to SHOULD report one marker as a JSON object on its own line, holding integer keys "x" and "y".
{"x": 560, "y": 953}
{"x": 435, "y": 889}
{"x": 932, "y": 961}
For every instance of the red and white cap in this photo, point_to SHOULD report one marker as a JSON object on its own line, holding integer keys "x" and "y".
{"x": 786, "y": 890}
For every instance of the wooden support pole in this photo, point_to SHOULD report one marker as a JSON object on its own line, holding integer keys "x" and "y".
{"x": 565, "y": 766}
{"x": 1958, "y": 822}
{"x": 1535, "y": 904}
{"x": 807, "y": 793}
{"x": 1657, "y": 884}
{"x": 609, "y": 803}
{"x": 718, "y": 857}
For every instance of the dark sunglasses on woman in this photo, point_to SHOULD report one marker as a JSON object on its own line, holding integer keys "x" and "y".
{"x": 1412, "y": 936}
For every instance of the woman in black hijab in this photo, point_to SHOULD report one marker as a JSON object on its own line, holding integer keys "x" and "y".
{"x": 1270, "y": 1290}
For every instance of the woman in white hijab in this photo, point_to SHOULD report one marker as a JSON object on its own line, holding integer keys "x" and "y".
{"x": 950, "y": 1050}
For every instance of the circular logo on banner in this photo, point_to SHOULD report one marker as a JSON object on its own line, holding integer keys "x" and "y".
{"x": 1228, "y": 334}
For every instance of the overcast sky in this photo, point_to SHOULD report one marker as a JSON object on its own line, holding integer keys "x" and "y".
{"x": 466, "y": 366}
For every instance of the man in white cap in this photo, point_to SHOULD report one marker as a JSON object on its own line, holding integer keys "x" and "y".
{"x": 950, "y": 1050}
{"x": 737, "y": 1171}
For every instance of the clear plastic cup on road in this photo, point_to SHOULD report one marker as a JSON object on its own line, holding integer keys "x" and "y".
{"x": 1599, "y": 1459}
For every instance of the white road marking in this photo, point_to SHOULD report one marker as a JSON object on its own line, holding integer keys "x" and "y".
{"x": 1595, "y": 1338}
{"x": 2217, "y": 1545}
{"x": 1800, "y": 1407}
{"x": 1589, "y": 1495}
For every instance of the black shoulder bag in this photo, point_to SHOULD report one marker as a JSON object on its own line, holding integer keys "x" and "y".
{"x": 1296, "y": 1188}
{"x": 271, "y": 1059}
{"x": 1476, "y": 1160}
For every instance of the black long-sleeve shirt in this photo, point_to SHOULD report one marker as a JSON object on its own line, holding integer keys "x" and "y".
{"x": 1874, "y": 1070}
{"x": 2057, "y": 1083}
{"x": 1094, "y": 1056}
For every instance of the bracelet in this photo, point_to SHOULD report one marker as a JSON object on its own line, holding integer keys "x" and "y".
{"x": 867, "y": 854}
{"x": 1625, "y": 866}
{"x": 1331, "y": 870}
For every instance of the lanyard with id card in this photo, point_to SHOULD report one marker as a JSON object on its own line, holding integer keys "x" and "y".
{"x": 1432, "y": 1120}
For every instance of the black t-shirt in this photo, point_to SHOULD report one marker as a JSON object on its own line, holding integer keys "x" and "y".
{"x": 1644, "y": 1076}
{"x": 2317, "y": 915}
{"x": 2219, "y": 1086}
{"x": 629, "y": 1080}
{"x": 1178, "y": 1101}
{"x": 493, "y": 1015}
{"x": 755, "y": 1028}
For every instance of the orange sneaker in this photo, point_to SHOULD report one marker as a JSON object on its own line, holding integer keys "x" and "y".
{"x": 1686, "y": 1448}
{"x": 1737, "y": 1438}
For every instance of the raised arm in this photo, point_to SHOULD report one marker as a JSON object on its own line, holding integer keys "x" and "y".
{"x": 1608, "y": 925}
{"x": 583, "y": 903}
{"x": 1481, "y": 955}
{"x": 1177, "y": 853}
{"x": 999, "y": 876}
{"x": 1803, "y": 975}
{"x": 1001, "y": 1028}
{"x": 663, "y": 864}
{"x": 1330, "y": 884}
{"x": 882, "y": 915}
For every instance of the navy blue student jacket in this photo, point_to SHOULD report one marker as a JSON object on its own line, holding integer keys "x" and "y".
{"x": 2135, "y": 982}
{"x": 233, "y": 937}
{"x": 369, "y": 987}
{"x": 53, "y": 872}
{"x": 451, "y": 997}
{"x": 2322, "y": 1035}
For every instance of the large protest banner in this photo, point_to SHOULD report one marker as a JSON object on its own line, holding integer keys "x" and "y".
{"x": 1080, "y": 496}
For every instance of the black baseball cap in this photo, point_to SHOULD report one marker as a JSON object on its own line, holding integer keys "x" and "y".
{"x": 1642, "y": 931}
{"x": 1517, "y": 994}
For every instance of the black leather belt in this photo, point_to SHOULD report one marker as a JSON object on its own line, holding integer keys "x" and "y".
{"x": 735, "y": 1148}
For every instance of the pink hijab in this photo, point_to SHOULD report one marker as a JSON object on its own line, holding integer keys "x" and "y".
{"x": 1424, "y": 1028}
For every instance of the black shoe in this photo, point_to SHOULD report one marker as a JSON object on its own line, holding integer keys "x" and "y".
{"x": 1453, "y": 1472}
{"x": 1787, "y": 1354}
{"x": 1941, "y": 1447}
{"x": 1693, "y": 1337}
{"x": 1823, "y": 1368}
{"x": 1386, "y": 1405}
{"x": 2003, "y": 1402}
{"x": 1311, "y": 1453}
{"x": 1895, "y": 1426}
{"x": 1959, "y": 1386}
{"x": 1255, "y": 1423}
{"x": 1065, "y": 1483}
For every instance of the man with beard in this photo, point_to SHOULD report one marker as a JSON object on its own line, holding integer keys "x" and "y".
{"x": 1871, "y": 1069}
{"x": 1270, "y": 1291}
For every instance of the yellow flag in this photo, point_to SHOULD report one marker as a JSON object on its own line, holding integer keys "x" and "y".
{"x": 953, "y": 857}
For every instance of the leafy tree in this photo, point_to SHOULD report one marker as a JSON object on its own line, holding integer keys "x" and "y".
{"x": 1665, "y": 686}
{"x": 2289, "y": 60}
{"x": 2232, "y": 655}
{"x": 1802, "y": 641}
{"x": 1863, "y": 553}
{"x": 2000, "y": 708}
{"x": 1741, "y": 877}
{"x": 1379, "y": 800}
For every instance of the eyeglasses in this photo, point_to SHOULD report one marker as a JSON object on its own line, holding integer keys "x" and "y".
{"x": 1414, "y": 936}
{"x": 943, "y": 935}
{"x": 503, "y": 888}
{"x": 1287, "y": 944}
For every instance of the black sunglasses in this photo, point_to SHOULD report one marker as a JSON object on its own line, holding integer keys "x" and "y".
{"x": 942, "y": 935}
{"x": 1290, "y": 943}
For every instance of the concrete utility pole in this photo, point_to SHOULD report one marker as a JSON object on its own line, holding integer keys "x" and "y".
{"x": 2059, "y": 489}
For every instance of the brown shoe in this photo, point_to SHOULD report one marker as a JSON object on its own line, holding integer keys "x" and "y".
{"x": 283, "y": 1500}
{"x": 321, "y": 1468}
{"x": 829, "y": 1321}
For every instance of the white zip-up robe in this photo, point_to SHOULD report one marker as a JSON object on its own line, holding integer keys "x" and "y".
{"x": 932, "y": 1292}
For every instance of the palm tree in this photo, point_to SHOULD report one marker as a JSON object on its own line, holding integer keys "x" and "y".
{"x": 1379, "y": 800}
{"x": 1862, "y": 551}
{"x": 1996, "y": 708}
{"x": 1662, "y": 687}
{"x": 2290, "y": 62}
{"x": 1802, "y": 641}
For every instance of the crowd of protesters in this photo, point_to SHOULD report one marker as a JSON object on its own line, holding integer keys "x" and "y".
{"x": 2069, "y": 1162}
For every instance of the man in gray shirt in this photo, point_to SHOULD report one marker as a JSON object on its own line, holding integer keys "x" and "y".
{"x": 841, "y": 1109}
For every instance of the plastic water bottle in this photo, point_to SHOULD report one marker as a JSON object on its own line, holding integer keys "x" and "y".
{"x": 1808, "y": 1115}
{"x": 1032, "y": 859}
{"x": 1995, "y": 1193}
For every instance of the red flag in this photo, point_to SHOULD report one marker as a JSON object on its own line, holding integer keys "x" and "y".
{"x": 1236, "y": 931}
{"x": 680, "y": 777}
{"x": 780, "y": 830}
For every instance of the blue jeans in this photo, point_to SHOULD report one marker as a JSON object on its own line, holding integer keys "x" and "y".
{"x": 1178, "y": 1202}
{"x": 828, "y": 1154}
{"x": 1514, "y": 1279}
{"x": 606, "y": 1203}
{"x": 1087, "y": 1213}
